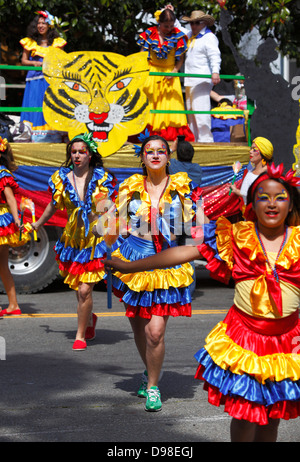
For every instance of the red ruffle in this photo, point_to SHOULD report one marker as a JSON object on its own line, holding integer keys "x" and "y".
{"x": 217, "y": 268}
{"x": 241, "y": 409}
{"x": 171, "y": 133}
{"x": 9, "y": 229}
{"x": 147, "y": 312}
{"x": 268, "y": 343}
{"x": 80, "y": 268}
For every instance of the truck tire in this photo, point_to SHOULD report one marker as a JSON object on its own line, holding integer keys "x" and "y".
{"x": 33, "y": 265}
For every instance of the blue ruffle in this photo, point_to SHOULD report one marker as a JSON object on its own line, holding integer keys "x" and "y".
{"x": 6, "y": 219}
{"x": 73, "y": 254}
{"x": 134, "y": 248}
{"x": 170, "y": 296}
{"x": 209, "y": 230}
{"x": 246, "y": 386}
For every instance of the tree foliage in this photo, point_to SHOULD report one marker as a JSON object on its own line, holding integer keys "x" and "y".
{"x": 113, "y": 25}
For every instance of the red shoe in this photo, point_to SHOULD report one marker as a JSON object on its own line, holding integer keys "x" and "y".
{"x": 79, "y": 345}
{"x": 9, "y": 313}
{"x": 90, "y": 333}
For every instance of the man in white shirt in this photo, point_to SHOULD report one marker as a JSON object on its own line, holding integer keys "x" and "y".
{"x": 203, "y": 57}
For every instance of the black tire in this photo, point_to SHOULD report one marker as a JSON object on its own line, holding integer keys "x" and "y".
{"x": 33, "y": 265}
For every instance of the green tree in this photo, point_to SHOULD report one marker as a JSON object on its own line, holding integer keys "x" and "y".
{"x": 113, "y": 24}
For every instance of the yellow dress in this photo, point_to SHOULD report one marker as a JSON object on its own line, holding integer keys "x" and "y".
{"x": 165, "y": 94}
{"x": 36, "y": 85}
{"x": 79, "y": 253}
{"x": 161, "y": 292}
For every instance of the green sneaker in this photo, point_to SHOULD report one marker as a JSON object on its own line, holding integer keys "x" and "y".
{"x": 153, "y": 402}
{"x": 142, "y": 391}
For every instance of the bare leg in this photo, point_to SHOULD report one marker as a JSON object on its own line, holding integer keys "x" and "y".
{"x": 84, "y": 308}
{"x": 267, "y": 433}
{"x": 149, "y": 339}
{"x": 244, "y": 431}
{"x": 7, "y": 279}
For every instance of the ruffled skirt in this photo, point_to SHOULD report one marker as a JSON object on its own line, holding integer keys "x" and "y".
{"x": 9, "y": 232}
{"x": 252, "y": 367}
{"x": 80, "y": 258}
{"x": 166, "y": 95}
{"x": 161, "y": 292}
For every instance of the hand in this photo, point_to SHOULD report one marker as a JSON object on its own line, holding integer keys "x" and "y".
{"x": 234, "y": 189}
{"x": 116, "y": 264}
{"x": 215, "y": 78}
{"x": 169, "y": 7}
{"x": 34, "y": 227}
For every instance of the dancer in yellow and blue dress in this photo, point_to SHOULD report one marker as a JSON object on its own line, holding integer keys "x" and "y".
{"x": 76, "y": 187}
{"x": 166, "y": 46}
{"x": 250, "y": 362}
{"x": 153, "y": 204}
{"x": 9, "y": 224}
{"x": 42, "y": 35}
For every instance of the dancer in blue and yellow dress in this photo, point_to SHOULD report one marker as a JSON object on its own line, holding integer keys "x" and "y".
{"x": 154, "y": 204}
{"x": 42, "y": 36}
{"x": 76, "y": 187}
{"x": 9, "y": 224}
{"x": 166, "y": 46}
{"x": 250, "y": 362}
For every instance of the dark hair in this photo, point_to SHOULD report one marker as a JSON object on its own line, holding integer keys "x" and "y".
{"x": 185, "y": 151}
{"x": 96, "y": 158}
{"x": 167, "y": 15}
{"x": 7, "y": 159}
{"x": 33, "y": 33}
{"x": 293, "y": 217}
{"x": 225, "y": 100}
{"x": 154, "y": 138}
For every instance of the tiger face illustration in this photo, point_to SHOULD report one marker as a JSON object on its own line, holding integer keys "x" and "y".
{"x": 96, "y": 92}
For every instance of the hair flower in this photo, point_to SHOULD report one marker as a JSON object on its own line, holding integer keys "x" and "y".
{"x": 3, "y": 144}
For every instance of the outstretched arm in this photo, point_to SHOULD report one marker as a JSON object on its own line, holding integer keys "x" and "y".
{"x": 47, "y": 214}
{"x": 168, "y": 258}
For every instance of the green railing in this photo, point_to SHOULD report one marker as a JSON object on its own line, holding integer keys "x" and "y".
{"x": 247, "y": 115}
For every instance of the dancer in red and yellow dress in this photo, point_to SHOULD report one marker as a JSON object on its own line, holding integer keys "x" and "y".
{"x": 9, "y": 224}
{"x": 250, "y": 362}
{"x": 166, "y": 46}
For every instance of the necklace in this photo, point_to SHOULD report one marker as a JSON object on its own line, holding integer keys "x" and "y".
{"x": 273, "y": 269}
{"x": 81, "y": 202}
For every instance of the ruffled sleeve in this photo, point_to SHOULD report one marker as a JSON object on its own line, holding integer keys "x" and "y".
{"x": 7, "y": 179}
{"x": 59, "y": 42}
{"x": 57, "y": 189}
{"x": 217, "y": 248}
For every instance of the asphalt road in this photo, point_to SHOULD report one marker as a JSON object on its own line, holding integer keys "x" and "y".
{"x": 52, "y": 394}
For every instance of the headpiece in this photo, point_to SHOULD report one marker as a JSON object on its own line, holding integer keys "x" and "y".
{"x": 264, "y": 146}
{"x": 87, "y": 138}
{"x": 3, "y": 144}
{"x": 199, "y": 15}
{"x": 157, "y": 14}
{"x": 142, "y": 137}
{"x": 272, "y": 172}
{"x": 49, "y": 19}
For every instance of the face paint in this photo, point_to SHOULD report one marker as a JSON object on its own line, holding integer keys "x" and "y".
{"x": 148, "y": 151}
{"x": 265, "y": 197}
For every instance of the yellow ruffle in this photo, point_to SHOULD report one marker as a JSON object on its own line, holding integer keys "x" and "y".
{"x": 35, "y": 49}
{"x": 157, "y": 279}
{"x": 224, "y": 241}
{"x": 13, "y": 240}
{"x": 73, "y": 281}
{"x": 228, "y": 355}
